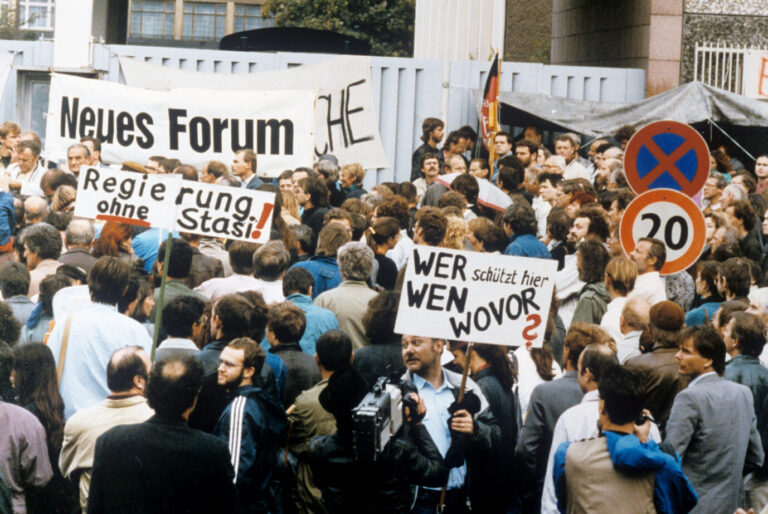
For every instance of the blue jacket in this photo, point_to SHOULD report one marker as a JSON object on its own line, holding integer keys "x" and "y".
{"x": 701, "y": 314}
{"x": 319, "y": 321}
{"x": 672, "y": 492}
{"x": 325, "y": 271}
{"x": 7, "y": 218}
{"x": 253, "y": 425}
{"x": 527, "y": 245}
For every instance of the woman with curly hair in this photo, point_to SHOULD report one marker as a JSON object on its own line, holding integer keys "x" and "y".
{"x": 37, "y": 389}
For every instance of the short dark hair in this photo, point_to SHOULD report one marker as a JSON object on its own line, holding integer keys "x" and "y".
{"x": 594, "y": 259}
{"x": 216, "y": 168}
{"x": 708, "y": 343}
{"x": 173, "y": 385}
{"x": 108, "y": 279}
{"x": 598, "y": 225}
{"x": 737, "y": 276}
{"x": 169, "y": 164}
{"x": 727, "y": 310}
{"x": 235, "y": 313}
{"x": 708, "y": 271}
{"x": 622, "y": 392}
{"x": 749, "y": 332}
{"x": 180, "y": 314}
{"x": 122, "y": 368}
{"x": 520, "y": 218}
{"x": 334, "y": 350}
{"x": 379, "y": 319}
{"x": 511, "y": 176}
{"x": 14, "y": 280}
{"x": 468, "y": 186}
{"x": 597, "y": 358}
{"x": 270, "y": 261}
{"x": 259, "y": 313}
{"x": 433, "y": 225}
{"x": 187, "y": 172}
{"x": 253, "y": 354}
{"x": 578, "y": 337}
{"x": 94, "y": 141}
{"x": 657, "y": 250}
{"x": 467, "y": 132}
{"x": 297, "y": 280}
{"x": 180, "y": 261}
{"x": 241, "y": 257}
{"x": 10, "y": 328}
{"x": 44, "y": 240}
{"x": 428, "y": 125}
{"x": 552, "y": 178}
{"x": 532, "y": 147}
{"x": 316, "y": 189}
{"x": 558, "y": 223}
{"x": 286, "y": 321}
{"x": 492, "y": 236}
{"x": 32, "y": 146}
{"x": 742, "y": 210}
{"x": 395, "y": 207}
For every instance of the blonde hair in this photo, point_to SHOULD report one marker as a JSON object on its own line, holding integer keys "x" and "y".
{"x": 455, "y": 233}
{"x": 63, "y": 198}
{"x": 355, "y": 170}
{"x": 290, "y": 205}
{"x": 623, "y": 273}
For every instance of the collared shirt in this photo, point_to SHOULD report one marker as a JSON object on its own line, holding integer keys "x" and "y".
{"x": 215, "y": 288}
{"x": 698, "y": 379}
{"x": 30, "y": 182}
{"x": 628, "y": 345}
{"x": 402, "y": 250}
{"x": 319, "y": 321}
{"x": 97, "y": 330}
{"x": 436, "y": 419}
{"x": 649, "y": 286}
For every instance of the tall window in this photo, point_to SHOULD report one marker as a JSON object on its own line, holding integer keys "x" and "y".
{"x": 152, "y": 19}
{"x": 248, "y": 17}
{"x": 204, "y": 21}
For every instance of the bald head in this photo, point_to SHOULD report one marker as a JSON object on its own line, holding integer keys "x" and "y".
{"x": 35, "y": 209}
{"x": 79, "y": 233}
{"x": 635, "y": 315}
{"x": 128, "y": 370}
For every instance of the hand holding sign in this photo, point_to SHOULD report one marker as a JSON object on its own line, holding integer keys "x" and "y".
{"x": 478, "y": 297}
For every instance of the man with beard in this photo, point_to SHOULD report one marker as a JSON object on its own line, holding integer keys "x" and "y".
{"x": 252, "y": 424}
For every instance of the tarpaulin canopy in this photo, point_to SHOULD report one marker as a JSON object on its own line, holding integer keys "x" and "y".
{"x": 690, "y": 103}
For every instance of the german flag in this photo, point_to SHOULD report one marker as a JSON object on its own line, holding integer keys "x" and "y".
{"x": 489, "y": 121}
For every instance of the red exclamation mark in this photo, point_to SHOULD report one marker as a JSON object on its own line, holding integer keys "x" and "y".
{"x": 262, "y": 220}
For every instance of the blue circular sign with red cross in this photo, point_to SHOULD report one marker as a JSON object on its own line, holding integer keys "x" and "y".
{"x": 667, "y": 155}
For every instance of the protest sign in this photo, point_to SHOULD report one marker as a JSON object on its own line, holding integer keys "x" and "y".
{"x": 192, "y": 125}
{"x": 345, "y": 116}
{"x": 755, "y": 81}
{"x": 220, "y": 211}
{"x": 476, "y": 297}
{"x": 127, "y": 197}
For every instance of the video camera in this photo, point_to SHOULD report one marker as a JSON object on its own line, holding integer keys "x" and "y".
{"x": 378, "y": 417}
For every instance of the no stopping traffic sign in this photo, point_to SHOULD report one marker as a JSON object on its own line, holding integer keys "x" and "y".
{"x": 669, "y": 216}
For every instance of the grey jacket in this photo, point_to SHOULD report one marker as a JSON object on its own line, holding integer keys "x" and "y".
{"x": 713, "y": 427}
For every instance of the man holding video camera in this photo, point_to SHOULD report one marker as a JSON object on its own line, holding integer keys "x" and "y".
{"x": 463, "y": 431}
{"x": 350, "y": 480}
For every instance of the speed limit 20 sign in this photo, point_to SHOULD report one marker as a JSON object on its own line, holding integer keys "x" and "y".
{"x": 671, "y": 217}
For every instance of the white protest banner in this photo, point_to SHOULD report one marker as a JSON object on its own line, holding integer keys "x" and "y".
{"x": 192, "y": 125}
{"x": 477, "y": 297}
{"x": 755, "y": 81}
{"x": 220, "y": 211}
{"x": 127, "y": 197}
{"x": 345, "y": 117}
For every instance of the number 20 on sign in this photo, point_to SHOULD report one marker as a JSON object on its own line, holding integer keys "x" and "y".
{"x": 672, "y": 218}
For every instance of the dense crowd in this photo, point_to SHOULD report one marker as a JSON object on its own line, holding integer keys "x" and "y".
{"x": 649, "y": 393}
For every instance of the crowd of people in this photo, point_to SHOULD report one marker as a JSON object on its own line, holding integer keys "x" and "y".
{"x": 649, "y": 393}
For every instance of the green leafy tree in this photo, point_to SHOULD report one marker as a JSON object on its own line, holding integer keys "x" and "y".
{"x": 386, "y": 24}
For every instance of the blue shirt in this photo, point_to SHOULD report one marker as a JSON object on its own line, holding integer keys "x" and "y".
{"x": 527, "y": 245}
{"x": 435, "y": 421}
{"x": 319, "y": 321}
{"x": 97, "y": 330}
{"x": 325, "y": 271}
{"x": 146, "y": 245}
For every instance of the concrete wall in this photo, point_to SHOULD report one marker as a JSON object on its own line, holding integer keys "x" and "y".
{"x": 627, "y": 33}
{"x": 528, "y": 31}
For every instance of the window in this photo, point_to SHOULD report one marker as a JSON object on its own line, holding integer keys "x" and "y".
{"x": 248, "y": 17}
{"x": 204, "y": 21}
{"x": 152, "y": 19}
{"x": 32, "y": 14}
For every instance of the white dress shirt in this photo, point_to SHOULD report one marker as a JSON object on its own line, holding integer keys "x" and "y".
{"x": 651, "y": 287}
{"x": 215, "y": 288}
{"x": 611, "y": 318}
